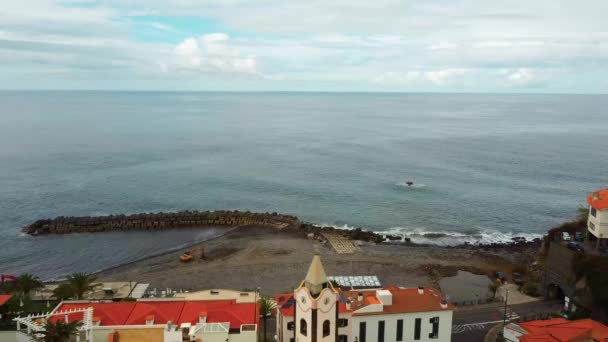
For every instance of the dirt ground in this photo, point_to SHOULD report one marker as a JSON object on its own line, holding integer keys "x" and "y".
{"x": 277, "y": 261}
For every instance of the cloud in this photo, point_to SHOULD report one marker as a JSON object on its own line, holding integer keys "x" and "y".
{"x": 442, "y": 77}
{"x": 213, "y": 53}
{"x": 393, "y": 43}
{"x": 523, "y": 77}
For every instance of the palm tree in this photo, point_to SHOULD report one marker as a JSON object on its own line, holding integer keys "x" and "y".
{"x": 267, "y": 307}
{"x": 81, "y": 282}
{"x": 64, "y": 291}
{"x": 26, "y": 283}
{"x": 59, "y": 331}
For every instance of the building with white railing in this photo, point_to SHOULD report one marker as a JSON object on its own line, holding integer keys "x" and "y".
{"x": 158, "y": 320}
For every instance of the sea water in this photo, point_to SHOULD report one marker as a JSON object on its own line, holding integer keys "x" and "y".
{"x": 486, "y": 168}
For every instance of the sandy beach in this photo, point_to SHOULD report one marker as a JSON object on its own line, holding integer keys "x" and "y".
{"x": 277, "y": 260}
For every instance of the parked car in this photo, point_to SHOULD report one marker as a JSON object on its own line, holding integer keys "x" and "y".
{"x": 500, "y": 275}
{"x": 575, "y": 247}
{"x": 566, "y": 236}
{"x": 578, "y": 236}
{"x": 518, "y": 278}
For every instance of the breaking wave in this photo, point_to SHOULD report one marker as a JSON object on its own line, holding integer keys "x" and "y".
{"x": 449, "y": 238}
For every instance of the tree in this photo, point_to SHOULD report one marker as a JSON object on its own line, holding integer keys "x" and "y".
{"x": 81, "y": 282}
{"x": 267, "y": 307}
{"x": 26, "y": 283}
{"x": 59, "y": 331}
{"x": 64, "y": 291}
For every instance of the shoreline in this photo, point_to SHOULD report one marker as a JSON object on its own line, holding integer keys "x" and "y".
{"x": 273, "y": 259}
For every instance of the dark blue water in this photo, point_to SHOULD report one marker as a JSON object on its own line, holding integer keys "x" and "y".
{"x": 485, "y": 167}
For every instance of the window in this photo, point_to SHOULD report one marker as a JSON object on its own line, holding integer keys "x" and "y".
{"x": 417, "y": 324}
{"x": 380, "y": 331}
{"x": 362, "y": 331}
{"x": 292, "y": 340}
{"x": 399, "y": 330}
{"x": 342, "y": 338}
{"x": 303, "y": 327}
{"x": 291, "y": 325}
{"x": 342, "y": 322}
{"x": 435, "y": 332}
{"x": 326, "y": 328}
{"x": 593, "y": 212}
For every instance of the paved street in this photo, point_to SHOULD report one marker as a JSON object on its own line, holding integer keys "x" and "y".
{"x": 471, "y": 324}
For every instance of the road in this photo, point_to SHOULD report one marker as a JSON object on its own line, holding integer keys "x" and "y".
{"x": 470, "y": 324}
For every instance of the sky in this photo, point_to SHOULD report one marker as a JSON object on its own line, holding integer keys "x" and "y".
{"x": 520, "y": 46}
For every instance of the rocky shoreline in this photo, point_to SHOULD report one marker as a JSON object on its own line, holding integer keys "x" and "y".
{"x": 201, "y": 219}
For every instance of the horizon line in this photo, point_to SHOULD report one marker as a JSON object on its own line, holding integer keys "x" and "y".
{"x": 297, "y": 91}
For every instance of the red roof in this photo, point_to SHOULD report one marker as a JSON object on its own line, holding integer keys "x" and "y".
{"x": 108, "y": 313}
{"x": 598, "y": 199}
{"x": 136, "y": 313}
{"x": 4, "y": 299}
{"x": 561, "y": 330}
{"x": 404, "y": 300}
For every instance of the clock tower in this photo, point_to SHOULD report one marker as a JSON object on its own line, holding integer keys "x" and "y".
{"x": 316, "y": 306}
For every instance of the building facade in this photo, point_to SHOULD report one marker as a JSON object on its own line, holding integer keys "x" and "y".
{"x": 318, "y": 312}
{"x": 597, "y": 224}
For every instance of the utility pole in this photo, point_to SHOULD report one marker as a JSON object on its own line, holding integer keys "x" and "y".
{"x": 504, "y": 317}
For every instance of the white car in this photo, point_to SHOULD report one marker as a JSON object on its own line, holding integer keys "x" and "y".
{"x": 566, "y": 236}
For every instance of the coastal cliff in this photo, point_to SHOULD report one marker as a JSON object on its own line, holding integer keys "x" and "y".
{"x": 159, "y": 221}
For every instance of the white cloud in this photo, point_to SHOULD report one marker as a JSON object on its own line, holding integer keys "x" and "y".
{"x": 430, "y": 45}
{"x": 213, "y": 53}
{"x": 523, "y": 77}
{"x": 442, "y": 77}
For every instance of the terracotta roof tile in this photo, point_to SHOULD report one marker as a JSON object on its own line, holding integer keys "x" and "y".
{"x": 598, "y": 199}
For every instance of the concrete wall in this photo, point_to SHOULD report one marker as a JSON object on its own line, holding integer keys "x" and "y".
{"x": 8, "y": 336}
{"x": 559, "y": 268}
{"x": 390, "y": 326}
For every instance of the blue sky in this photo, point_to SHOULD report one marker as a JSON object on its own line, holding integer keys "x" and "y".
{"x": 523, "y": 46}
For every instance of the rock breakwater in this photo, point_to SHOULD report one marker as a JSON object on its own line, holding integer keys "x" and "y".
{"x": 159, "y": 221}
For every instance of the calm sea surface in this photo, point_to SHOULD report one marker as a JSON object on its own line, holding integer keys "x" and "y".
{"x": 486, "y": 167}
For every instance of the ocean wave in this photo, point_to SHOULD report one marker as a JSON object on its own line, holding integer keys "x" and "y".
{"x": 447, "y": 238}
{"x": 413, "y": 186}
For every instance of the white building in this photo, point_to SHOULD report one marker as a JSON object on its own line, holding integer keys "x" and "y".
{"x": 392, "y": 314}
{"x": 597, "y": 223}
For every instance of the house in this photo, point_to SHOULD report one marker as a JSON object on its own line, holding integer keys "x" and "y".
{"x": 158, "y": 320}
{"x": 316, "y": 311}
{"x": 557, "y": 330}
{"x": 597, "y": 224}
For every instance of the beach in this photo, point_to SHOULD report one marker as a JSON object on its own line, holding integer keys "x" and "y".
{"x": 276, "y": 261}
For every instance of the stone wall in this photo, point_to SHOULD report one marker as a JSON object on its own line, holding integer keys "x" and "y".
{"x": 158, "y": 221}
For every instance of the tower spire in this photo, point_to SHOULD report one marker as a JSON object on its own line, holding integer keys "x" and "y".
{"x": 316, "y": 278}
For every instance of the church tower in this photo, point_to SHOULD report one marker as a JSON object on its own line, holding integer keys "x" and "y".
{"x": 316, "y": 313}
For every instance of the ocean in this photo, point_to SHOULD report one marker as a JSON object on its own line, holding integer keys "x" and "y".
{"x": 486, "y": 168}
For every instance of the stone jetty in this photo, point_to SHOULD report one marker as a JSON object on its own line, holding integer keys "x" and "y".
{"x": 159, "y": 221}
